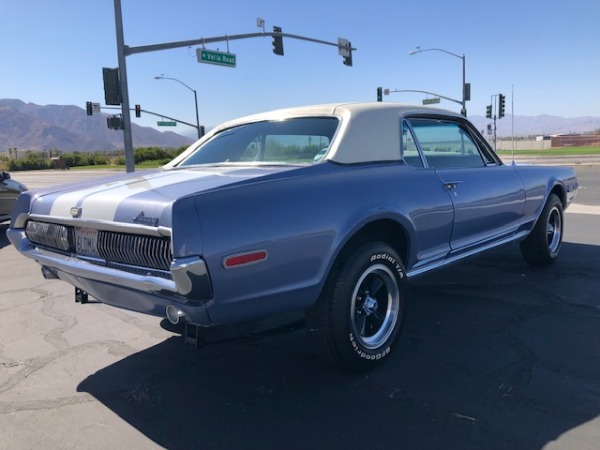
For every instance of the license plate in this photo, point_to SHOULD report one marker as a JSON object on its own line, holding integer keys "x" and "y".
{"x": 86, "y": 242}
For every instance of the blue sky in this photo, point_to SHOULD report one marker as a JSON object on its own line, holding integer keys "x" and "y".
{"x": 545, "y": 52}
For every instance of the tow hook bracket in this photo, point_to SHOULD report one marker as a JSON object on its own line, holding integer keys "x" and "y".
{"x": 192, "y": 335}
{"x": 81, "y": 296}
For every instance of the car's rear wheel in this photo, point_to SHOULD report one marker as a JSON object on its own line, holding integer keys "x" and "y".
{"x": 357, "y": 319}
{"x": 542, "y": 246}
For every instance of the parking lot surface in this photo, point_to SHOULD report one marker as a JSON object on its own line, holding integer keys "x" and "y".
{"x": 494, "y": 354}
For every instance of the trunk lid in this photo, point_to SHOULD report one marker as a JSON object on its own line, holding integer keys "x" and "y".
{"x": 143, "y": 198}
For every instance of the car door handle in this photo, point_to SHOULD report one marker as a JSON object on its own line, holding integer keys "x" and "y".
{"x": 450, "y": 185}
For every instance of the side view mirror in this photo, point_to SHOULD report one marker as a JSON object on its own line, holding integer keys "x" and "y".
{"x": 4, "y": 176}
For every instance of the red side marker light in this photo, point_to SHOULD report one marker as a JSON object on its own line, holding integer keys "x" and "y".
{"x": 244, "y": 258}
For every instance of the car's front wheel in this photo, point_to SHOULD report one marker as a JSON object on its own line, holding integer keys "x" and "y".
{"x": 357, "y": 319}
{"x": 542, "y": 246}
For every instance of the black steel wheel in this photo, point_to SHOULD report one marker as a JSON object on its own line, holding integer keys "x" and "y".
{"x": 357, "y": 319}
{"x": 542, "y": 246}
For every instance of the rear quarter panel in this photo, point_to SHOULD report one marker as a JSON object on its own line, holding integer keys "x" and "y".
{"x": 540, "y": 181}
{"x": 302, "y": 219}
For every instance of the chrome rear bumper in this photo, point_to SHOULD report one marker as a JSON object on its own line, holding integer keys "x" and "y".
{"x": 190, "y": 277}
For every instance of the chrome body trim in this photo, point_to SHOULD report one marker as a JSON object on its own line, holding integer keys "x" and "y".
{"x": 105, "y": 225}
{"x": 457, "y": 257}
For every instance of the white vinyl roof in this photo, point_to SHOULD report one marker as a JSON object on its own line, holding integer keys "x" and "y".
{"x": 367, "y": 132}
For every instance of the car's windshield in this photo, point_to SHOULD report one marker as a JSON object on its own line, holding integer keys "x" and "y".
{"x": 292, "y": 141}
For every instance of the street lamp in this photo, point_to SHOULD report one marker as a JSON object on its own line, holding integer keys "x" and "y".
{"x": 464, "y": 84}
{"x": 162, "y": 77}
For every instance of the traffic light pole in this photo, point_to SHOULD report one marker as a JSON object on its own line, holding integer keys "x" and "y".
{"x": 463, "y": 110}
{"x": 492, "y": 108}
{"x": 124, "y": 50}
{"x": 127, "y": 136}
{"x": 145, "y": 111}
{"x": 389, "y": 91}
{"x": 494, "y": 132}
{"x": 493, "y": 104}
{"x": 466, "y": 90}
{"x": 210, "y": 40}
{"x": 197, "y": 126}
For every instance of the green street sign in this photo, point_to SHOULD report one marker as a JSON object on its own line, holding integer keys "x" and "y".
{"x": 166, "y": 124}
{"x": 430, "y": 101}
{"x": 213, "y": 57}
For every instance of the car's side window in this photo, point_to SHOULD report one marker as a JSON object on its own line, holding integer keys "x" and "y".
{"x": 446, "y": 144}
{"x": 410, "y": 152}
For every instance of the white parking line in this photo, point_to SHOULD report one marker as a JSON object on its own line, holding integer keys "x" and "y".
{"x": 576, "y": 208}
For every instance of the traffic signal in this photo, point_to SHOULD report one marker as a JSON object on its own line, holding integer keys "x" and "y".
{"x": 138, "y": 111}
{"x": 88, "y": 108}
{"x": 348, "y": 57}
{"x": 112, "y": 86}
{"x": 379, "y": 94}
{"x": 277, "y": 42}
{"x": 115, "y": 122}
{"x": 467, "y": 92}
{"x": 501, "y": 105}
{"x": 488, "y": 112}
{"x": 345, "y": 50}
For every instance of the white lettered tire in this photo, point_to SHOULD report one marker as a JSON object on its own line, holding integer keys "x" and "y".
{"x": 542, "y": 246}
{"x": 357, "y": 319}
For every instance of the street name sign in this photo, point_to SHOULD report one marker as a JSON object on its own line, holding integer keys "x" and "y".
{"x": 166, "y": 124}
{"x": 430, "y": 101}
{"x": 213, "y": 57}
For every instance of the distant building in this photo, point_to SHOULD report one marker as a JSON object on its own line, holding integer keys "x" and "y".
{"x": 13, "y": 153}
{"x": 575, "y": 140}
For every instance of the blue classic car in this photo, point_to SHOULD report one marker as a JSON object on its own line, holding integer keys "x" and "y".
{"x": 326, "y": 209}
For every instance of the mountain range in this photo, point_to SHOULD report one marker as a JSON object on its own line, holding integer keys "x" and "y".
{"x": 527, "y": 126}
{"x": 27, "y": 126}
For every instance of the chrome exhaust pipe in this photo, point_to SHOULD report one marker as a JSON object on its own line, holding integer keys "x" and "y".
{"x": 48, "y": 274}
{"x": 174, "y": 314}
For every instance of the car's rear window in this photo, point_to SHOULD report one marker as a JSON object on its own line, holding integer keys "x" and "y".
{"x": 293, "y": 141}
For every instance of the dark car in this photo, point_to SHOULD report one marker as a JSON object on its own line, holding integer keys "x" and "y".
{"x": 9, "y": 191}
{"x": 326, "y": 209}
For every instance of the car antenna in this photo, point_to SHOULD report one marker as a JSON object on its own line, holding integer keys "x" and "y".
{"x": 513, "y": 150}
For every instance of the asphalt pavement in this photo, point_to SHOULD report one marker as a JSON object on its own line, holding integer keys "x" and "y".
{"x": 494, "y": 354}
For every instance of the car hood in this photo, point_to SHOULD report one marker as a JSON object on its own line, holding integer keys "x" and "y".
{"x": 141, "y": 198}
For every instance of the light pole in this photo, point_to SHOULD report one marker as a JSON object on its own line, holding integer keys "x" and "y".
{"x": 162, "y": 77}
{"x": 464, "y": 84}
